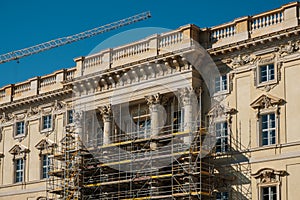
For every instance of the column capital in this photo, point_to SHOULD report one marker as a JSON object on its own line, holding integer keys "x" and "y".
{"x": 156, "y": 99}
{"x": 106, "y": 112}
{"x": 187, "y": 94}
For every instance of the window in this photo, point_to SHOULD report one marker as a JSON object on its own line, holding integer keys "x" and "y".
{"x": 70, "y": 116}
{"x": 268, "y": 129}
{"x": 221, "y": 137}
{"x": 221, "y": 83}
{"x": 177, "y": 121}
{"x": 20, "y": 128}
{"x": 45, "y": 166}
{"x": 47, "y": 122}
{"x": 222, "y": 196}
{"x": 267, "y": 73}
{"x": 269, "y": 193}
{"x": 144, "y": 127}
{"x": 19, "y": 170}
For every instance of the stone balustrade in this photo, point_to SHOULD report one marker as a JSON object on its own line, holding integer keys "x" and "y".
{"x": 262, "y": 21}
{"x": 35, "y": 86}
{"x": 149, "y": 47}
{"x": 253, "y": 26}
{"x": 218, "y": 33}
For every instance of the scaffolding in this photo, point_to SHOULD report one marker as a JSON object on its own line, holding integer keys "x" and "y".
{"x": 138, "y": 174}
{"x": 129, "y": 169}
{"x": 65, "y": 167}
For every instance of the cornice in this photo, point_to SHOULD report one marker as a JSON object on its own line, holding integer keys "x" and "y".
{"x": 261, "y": 40}
{"x": 34, "y": 99}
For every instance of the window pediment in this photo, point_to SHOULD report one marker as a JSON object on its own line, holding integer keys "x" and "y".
{"x": 44, "y": 144}
{"x": 18, "y": 149}
{"x": 266, "y": 101}
{"x": 220, "y": 111}
{"x": 269, "y": 175}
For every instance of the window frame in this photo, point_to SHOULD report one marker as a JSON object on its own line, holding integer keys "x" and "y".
{"x": 276, "y": 184}
{"x": 20, "y": 135}
{"x": 221, "y": 90}
{"x": 178, "y": 115}
{"x": 68, "y": 115}
{"x": 47, "y": 129}
{"x": 144, "y": 127}
{"x": 224, "y": 146}
{"x": 45, "y": 168}
{"x": 260, "y": 83}
{"x": 268, "y": 129}
{"x": 18, "y": 178}
{"x": 269, "y": 190}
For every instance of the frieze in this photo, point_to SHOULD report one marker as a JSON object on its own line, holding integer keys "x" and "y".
{"x": 289, "y": 48}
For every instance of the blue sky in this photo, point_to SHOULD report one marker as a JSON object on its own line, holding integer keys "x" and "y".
{"x": 26, "y": 23}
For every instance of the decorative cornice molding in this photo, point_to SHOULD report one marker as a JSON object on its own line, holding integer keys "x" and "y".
{"x": 288, "y": 48}
{"x": 45, "y": 143}
{"x": 266, "y": 101}
{"x": 18, "y": 149}
{"x": 269, "y": 175}
{"x": 220, "y": 110}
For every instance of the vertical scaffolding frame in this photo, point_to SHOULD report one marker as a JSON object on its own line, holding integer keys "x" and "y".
{"x": 110, "y": 171}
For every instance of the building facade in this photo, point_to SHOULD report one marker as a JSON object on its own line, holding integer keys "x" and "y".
{"x": 194, "y": 113}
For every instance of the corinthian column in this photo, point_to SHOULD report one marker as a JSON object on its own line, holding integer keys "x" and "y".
{"x": 189, "y": 100}
{"x": 106, "y": 113}
{"x": 156, "y": 114}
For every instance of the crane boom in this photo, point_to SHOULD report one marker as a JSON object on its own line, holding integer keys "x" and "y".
{"x": 15, "y": 55}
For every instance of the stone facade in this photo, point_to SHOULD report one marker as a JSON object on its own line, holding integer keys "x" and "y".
{"x": 250, "y": 104}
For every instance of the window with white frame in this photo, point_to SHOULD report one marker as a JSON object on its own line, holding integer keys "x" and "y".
{"x": 20, "y": 128}
{"x": 19, "y": 170}
{"x": 269, "y": 193}
{"x": 268, "y": 129}
{"x": 70, "y": 116}
{"x": 221, "y": 137}
{"x": 221, "y": 83}
{"x": 266, "y": 73}
{"x": 45, "y": 166}
{"x": 47, "y": 122}
{"x": 222, "y": 196}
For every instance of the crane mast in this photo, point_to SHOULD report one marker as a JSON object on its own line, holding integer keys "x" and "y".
{"x": 15, "y": 55}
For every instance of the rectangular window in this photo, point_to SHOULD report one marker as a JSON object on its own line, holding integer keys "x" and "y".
{"x": 47, "y": 121}
{"x": 222, "y": 196}
{"x": 70, "y": 116}
{"x": 268, "y": 129}
{"x": 20, "y": 128}
{"x": 221, "y": 83}
{"x": 266, "y": 73}
{"x": 269, "y": 193}
{"x": 19, "y": 170}
{"x": 45, "y": 166}
{"x": 177, "y": 121}
{"x": 221, "y": 137}
{"x": 144, "y": 127}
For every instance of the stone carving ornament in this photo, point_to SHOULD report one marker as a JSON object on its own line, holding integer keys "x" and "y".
{"x": 291, "y": 47}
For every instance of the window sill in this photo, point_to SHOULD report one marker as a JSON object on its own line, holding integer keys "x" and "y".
{"x": 20, "y": 136}
{"x": 46, "y": 130}
{"x": 221, "y": 93}
{"x": 266, "y": 83}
